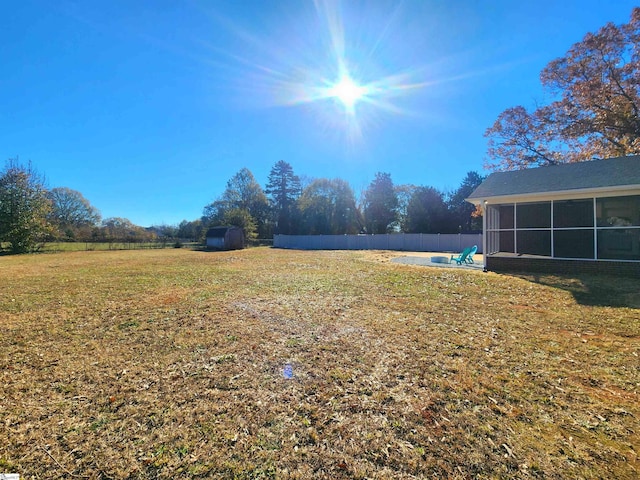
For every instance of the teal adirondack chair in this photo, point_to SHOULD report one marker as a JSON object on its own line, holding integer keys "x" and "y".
{"x": 473, "y": 251}
{"x": 466, "y": 256}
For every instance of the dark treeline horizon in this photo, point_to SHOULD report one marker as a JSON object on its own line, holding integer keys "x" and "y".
{"x": 32, "y": 214}
{"x": 323, "y": 206}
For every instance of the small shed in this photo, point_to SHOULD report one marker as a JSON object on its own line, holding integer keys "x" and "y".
{"x": 225, "y": 238}
{"x": 563, "y": 218}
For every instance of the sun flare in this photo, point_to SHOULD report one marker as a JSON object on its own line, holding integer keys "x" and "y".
{"x": 348, "y": 92}
{"x": 348, "y": 73}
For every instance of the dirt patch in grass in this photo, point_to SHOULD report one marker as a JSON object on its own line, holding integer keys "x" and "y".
{"x": 268, "y": 363}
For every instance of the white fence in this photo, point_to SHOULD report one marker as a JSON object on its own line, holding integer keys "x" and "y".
{"x": 413, "y": 242}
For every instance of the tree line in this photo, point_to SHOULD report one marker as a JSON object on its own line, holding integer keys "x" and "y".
{"x": 329, "y": 206}
{"x": 31, "y": 214}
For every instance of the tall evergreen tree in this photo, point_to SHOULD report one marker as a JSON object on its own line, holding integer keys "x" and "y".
{"x": 461, "y": 211}
{"x": 284, "y": 189}
{"x": 380, "y": 207}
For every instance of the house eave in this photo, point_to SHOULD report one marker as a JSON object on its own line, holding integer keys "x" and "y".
{"x": 612, "y": 191}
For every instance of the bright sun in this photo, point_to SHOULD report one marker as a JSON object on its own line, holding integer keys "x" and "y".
{"x": 348, "y": 92}
{"x": 317, "y": 70}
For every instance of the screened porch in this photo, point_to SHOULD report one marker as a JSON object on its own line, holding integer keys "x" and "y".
{"x": 605, "y": 228}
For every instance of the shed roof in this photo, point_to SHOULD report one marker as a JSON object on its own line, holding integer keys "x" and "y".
{"x": 219, "y": 232}
{"x": 592, "y": 175}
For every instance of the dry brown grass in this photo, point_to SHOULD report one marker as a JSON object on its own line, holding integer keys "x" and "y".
{"x": 169, "y": 364}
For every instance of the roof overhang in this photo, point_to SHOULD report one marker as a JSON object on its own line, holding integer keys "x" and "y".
{"x": 617, "y": 191}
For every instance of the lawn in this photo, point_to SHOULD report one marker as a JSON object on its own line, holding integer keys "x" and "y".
{"x": 175, "y": 363}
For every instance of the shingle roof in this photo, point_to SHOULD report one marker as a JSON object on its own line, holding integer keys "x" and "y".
{"x": 218, "y": 232}
{"x": 612, "y": 172}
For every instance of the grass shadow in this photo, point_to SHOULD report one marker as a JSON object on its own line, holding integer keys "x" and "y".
{"x": 594, "y": 290}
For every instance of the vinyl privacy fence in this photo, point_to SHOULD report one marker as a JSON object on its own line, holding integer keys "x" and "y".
{"x": 414, "y": 242}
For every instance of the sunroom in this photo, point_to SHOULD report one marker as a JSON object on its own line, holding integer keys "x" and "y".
{"x": 581, "y": 216}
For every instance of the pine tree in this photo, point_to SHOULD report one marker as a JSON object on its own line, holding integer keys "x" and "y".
{"x": 284, "y": 189}
{"x": 380, "y": 204}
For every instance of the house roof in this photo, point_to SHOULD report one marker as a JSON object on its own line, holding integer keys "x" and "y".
{"x": 611, "y": 173}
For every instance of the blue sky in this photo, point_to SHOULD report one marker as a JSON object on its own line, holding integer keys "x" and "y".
{"x": 149, "y": 107}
